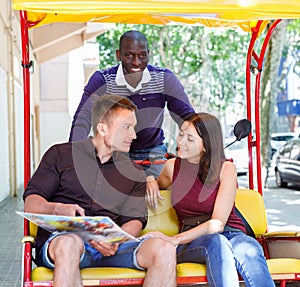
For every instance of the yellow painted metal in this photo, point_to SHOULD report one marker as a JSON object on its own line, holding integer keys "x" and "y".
{"x": 210, "y": 13}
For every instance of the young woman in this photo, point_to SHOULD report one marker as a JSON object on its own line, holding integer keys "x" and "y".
{"x": 203, "y": 194}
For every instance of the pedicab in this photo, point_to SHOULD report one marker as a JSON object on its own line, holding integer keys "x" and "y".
{"x": 251, "y": 16}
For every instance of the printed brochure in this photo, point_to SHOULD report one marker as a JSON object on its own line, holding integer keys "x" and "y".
{"x": 100, "y": 228}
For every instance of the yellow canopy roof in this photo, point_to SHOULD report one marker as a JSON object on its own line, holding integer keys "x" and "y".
{"x": 211, "y": 13}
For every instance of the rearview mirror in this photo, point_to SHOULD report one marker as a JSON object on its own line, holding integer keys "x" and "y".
{"x": 241, "y": 130}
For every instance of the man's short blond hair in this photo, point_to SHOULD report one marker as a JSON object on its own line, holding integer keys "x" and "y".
{"x": 106, "y": 107}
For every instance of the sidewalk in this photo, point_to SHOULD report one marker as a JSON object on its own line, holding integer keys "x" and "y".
{"x": 11, "y": 249}
{"x": 282, "y": 212}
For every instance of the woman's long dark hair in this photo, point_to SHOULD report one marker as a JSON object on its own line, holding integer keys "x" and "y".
{"x": 209, "y": 129}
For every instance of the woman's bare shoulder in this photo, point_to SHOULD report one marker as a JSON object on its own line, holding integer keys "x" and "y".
{"x": 228, "y": 167}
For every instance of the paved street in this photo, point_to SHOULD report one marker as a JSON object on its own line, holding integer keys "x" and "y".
{"x": 283, "y": 208}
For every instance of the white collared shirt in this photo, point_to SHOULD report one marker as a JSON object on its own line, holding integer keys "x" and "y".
{"x": 121, "y": 81}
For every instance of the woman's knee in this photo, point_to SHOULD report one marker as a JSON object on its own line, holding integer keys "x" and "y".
{"x": 247, "y": 247}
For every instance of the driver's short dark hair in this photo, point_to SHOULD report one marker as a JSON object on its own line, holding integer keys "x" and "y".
{"x": 132, "y": 34}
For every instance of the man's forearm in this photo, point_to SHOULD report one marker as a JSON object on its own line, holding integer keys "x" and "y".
{"x": 133, "y": 227}
{"x": 36, "y": 204}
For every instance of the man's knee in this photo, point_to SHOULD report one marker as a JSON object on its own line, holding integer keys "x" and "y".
{"x": 156, "y": 251}
{"x": 164, "y": 248}
{"x": 66, "y": 244}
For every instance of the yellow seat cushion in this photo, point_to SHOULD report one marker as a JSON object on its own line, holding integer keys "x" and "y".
{"x": 183, "y": 269}
{"x": 41, "y": 274}
{"x": 191, "y": 269}
{"x": 283, "y": 233}
{"x": 111, "y": 272}
{"x": 284, "y": 265}
{"x": 46, "y": 274}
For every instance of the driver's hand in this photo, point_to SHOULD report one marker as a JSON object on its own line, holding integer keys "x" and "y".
{"x": 153, "y": 193}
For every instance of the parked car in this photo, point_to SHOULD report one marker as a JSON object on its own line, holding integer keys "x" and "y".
{"x": 238, "y": 152}
{"x": 287, "y": 164}
{"x": 279, "y": 139}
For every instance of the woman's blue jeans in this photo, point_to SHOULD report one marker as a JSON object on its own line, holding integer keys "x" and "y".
{"x": 225, "y": 254}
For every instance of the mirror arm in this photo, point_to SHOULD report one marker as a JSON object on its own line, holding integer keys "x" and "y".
{"x": 230, "y": 144}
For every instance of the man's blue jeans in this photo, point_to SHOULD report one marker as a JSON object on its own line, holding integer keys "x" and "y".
{"x": 124, "y": 257}
{"x": 224, "y": 255}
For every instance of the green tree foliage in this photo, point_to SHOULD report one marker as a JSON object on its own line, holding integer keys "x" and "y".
{"x": 226, "y": 55}
{"x": 210, "y": 63}
{"x": 292, "y": 48}
{"x": 283, "y": 51}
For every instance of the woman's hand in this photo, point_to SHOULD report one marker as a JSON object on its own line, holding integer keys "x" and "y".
{"x": 153, "y": 193}
{"x": 105, "y": 248}
{"x": 173, "y": 239}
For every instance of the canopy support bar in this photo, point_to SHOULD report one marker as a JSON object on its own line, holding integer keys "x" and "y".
{"x": 26, "y": 85}
{"x": 257, "y": 71}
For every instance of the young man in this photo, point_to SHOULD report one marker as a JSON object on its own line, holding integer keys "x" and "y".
{"x": 94, "y": 177}
{"x": 149, "y": 87}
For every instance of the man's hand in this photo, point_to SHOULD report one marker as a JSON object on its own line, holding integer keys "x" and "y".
{"x": 68, "y": 209}
{"x": 37, "y": 204}
{"x": 105, "y": 248}
{"x": 153, "y": 194}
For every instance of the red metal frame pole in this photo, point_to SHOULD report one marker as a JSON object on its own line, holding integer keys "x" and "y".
{"x": 257, "y": 101}
{"x": 254, "y": 36}
{"x": 26, "y": 86}
{"x": 259, "y": 59}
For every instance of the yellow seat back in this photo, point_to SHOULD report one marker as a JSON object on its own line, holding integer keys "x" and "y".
{"x": 33, "y": 229}
{"x": 249, "y": 202}
{"x": 251, "y": 205}
{"x": 164, "y": 218}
